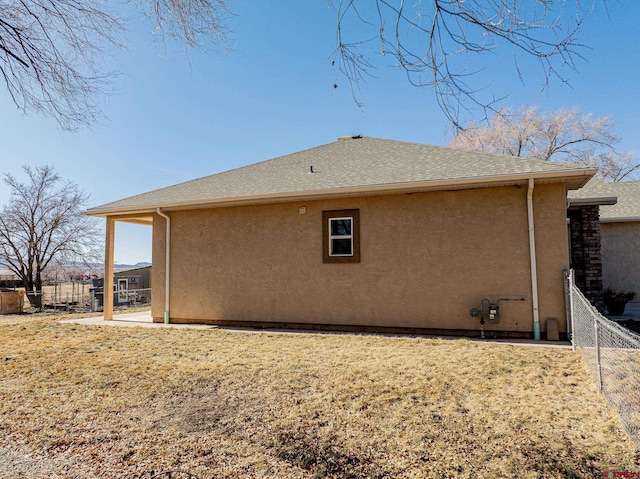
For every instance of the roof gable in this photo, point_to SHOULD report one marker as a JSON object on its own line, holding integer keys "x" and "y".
{"x": 348, "y": 166}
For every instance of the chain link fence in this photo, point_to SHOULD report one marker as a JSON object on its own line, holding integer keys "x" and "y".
{"x": 612, "y": 354}
{"x": 65, "y": 297}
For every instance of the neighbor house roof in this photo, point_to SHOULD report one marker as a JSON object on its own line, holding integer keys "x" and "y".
{"x": 627, "y": 207}
{"x": 6, "y": 273}
{"x": 350, "y": 166}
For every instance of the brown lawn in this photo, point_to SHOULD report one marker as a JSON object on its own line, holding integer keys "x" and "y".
{"x": 83, "y": 402}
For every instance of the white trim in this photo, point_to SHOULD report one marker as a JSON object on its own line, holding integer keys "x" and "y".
{"x": 600, "y": 201}
{"x": 621, "y": 219}
{"x": 532, "y": 256}
{"x": 349, "y": 237}
{"x": 167, "y": 265}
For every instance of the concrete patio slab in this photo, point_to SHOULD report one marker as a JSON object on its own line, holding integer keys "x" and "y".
{"x": 140, "y": 319}
{"x": 143, "y": 319}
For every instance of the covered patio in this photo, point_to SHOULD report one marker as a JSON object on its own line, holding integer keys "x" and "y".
{"x": 138, "y": 219}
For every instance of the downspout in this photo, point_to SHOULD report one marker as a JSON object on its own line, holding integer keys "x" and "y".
{"x": 167, "y": 250}
{"x": 532, "y": 256}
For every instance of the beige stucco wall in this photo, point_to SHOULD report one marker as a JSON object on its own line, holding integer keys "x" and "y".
{"x": 427, "y": 258}
{"x": 621, "y": 255}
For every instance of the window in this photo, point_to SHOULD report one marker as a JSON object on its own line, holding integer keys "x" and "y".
{"x": 341, "y": 236}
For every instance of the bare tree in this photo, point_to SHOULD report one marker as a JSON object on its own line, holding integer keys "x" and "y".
{"x": 567, "y": 136}
{"x": 52, "y": 52}
{"x": 433, "y": 41}
{"x": 42, "y": 225}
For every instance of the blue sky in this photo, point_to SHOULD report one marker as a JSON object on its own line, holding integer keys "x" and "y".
{"x": 271, "y": 93}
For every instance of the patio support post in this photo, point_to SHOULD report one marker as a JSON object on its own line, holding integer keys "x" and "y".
{"x": 107, "y": 306}
{"x": 572, "y": 284}
{"x": 167, "y": 265}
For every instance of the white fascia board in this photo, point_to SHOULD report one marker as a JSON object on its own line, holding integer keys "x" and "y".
{"x": 600, "y": 201}
{"x": 621, "y": 219}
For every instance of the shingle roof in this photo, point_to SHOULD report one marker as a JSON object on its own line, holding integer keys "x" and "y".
{"x": 628, "y": 194}
{"x": 368, "y": 164}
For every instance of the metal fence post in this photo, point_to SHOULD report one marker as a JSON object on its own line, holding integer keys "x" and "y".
{"x": 598, "y": 369}
{"x": 571, "y": 285}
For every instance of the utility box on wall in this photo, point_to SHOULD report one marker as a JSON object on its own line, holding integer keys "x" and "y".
{"x": 11, "y": 301}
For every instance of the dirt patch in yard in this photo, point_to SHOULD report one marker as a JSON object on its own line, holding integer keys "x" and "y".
{"x": 81, "y": 401}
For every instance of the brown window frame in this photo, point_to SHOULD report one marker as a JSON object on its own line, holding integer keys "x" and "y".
{"x": 355, "y": 235}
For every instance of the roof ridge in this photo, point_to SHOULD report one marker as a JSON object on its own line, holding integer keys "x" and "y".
{"x": 484, "y": 153}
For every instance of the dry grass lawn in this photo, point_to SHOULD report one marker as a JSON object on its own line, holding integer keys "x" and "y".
{"x": 82, "y": 402}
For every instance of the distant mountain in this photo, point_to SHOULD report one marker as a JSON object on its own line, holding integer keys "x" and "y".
{"x": 123, "y": 267}
{"x": 91, "y": 269}
{"x": 100, "y": 266}
{"x": 118, "y": 266}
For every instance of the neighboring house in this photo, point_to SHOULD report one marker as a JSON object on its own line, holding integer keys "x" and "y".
{"x": 8, "y": 279}
{"x": 362, "y": 233}
{"x": 132, "y": 285}
{"x": 620, "y": 231}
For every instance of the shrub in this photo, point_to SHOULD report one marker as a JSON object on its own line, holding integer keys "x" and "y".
{"x": 616, "y": 300}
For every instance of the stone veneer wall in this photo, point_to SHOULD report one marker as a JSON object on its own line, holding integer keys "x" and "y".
{"x": 586, "y": 258}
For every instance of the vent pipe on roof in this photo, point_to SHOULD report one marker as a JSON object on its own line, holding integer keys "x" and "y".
{"x": 532, "y": 256}
{"x": 167, "y": 257}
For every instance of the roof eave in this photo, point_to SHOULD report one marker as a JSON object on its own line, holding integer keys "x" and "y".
{"x": 574, "y": 179}
{"x": 600, "y": 201}
{"x": 620, "y": 219}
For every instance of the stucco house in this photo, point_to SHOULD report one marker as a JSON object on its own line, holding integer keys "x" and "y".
{"x": 362, "y": 233}
{"x": 619, "y": 231}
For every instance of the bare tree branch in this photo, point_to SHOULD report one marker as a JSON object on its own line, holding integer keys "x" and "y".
{"x": 433, "y": 41}
{"x": 53, "y": 52}
{"x": 196, "y": 23}
{"x": 567, "y": 136}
